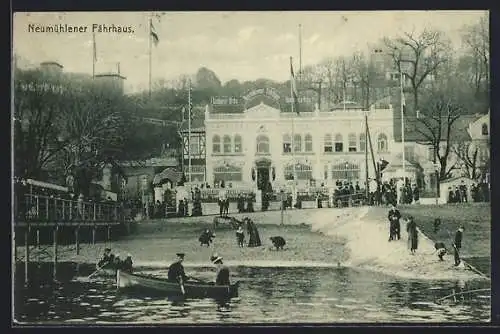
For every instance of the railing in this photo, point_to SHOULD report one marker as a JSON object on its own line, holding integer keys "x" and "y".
{"x": 39, "y": 208}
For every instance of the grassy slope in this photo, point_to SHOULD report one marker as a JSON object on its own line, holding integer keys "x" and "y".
{"x": 475, "y": 217}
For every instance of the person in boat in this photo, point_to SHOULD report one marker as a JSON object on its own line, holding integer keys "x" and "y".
{"x": 176, "y": 270}
{"x": 106, "y": 259}
{"x": 457, "y": 245}
{"x": 222, "y": 276}
{"x": 440, "y": 248}
{"x": 117, "y": 262}
{"x": 127, "y": 264}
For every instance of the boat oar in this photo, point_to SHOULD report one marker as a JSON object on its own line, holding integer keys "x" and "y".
{"x": 97, "y": 270}
{"x": 182, "y": 287}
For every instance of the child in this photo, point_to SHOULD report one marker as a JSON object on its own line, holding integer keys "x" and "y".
{"x": 240, "y": 236}
{"x": 440, "y": 249}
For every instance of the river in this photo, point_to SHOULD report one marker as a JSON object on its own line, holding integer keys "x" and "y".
{"x": 266, "y": 295}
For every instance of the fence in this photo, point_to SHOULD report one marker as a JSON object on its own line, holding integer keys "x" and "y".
{"x": 39, "y": 208}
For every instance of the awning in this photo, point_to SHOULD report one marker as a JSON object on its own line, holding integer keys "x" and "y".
{"x": 46, "y": 185}
{"x": 169, "y": 174}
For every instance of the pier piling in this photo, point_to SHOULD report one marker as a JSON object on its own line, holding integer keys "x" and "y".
{"x": 77, "y": 240}
{"x": 55, "y": 251}
{"x": 26, "y": 254}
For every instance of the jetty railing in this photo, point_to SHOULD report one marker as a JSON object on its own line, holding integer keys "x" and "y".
{"x": 41, "y": 208}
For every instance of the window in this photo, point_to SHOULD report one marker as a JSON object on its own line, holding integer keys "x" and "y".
{"x": 227, "y": 144}
{"x": 345, "y": 171}
{"x": 353, "y": 145}
{"x": 287, "y": 143}
{"x": 339, "y": 145}
{"x": 382, "y": 143}
{"x": 238, "y": 147}
{"x": 197, "y": 173}
{"x": 262, "y": 144}
{"x": 303, "y": 172}
{"x": 484, "y": 129}
{"x": 227, "y": 173}
{"x": 216, "y": 144}
{"x": 297, "y": 143}
{"x": 362, "y": 142}
{"x": 430, "y": 153}
{"x": 308, "y": 143}
{"x": 194, "y": 146}
{"x": 328, "y": 143}
{"x": 410, "y": 153}
{"x": 325, "y": 172}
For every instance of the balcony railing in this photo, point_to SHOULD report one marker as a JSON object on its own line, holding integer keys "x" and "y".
{"x": 39, "y": 208}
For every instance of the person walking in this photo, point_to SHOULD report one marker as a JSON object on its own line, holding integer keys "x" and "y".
{"x": 411, "y": 228}
{"x": 394, "y": 225}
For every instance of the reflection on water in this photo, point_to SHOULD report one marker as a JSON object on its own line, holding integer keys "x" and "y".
{"x": 265, "y": 295}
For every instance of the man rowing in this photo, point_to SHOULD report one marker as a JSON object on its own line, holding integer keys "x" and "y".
{"x": 176, "y": 270}
{"x": 106, "y": 259}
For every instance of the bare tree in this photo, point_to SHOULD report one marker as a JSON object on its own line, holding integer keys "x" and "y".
{"x": 439, "y": 114}
{"x": 467, "y": 154}
{"x": 365, "y": 74}
{"x": 418, "y": 57}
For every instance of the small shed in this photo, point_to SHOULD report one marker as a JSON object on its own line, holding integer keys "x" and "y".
{"x": 455, "y": 182}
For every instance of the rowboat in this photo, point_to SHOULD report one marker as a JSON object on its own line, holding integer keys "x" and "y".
{"x": 156, "y": 286}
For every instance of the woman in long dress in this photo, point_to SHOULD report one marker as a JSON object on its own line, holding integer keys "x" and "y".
{"x": 411, "y": 228}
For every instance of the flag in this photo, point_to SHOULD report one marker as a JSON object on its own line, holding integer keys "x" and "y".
{"x": 294, "y": 88}
{"x": 153, "y": 33}
{"x": 94, "y": 47}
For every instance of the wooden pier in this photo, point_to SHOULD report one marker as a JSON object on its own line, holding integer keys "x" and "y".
{"x": 36, "y": 213}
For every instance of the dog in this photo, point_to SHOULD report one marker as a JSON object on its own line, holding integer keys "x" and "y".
{"x": 278, "y": 242}
{"x": 206, "y": 238}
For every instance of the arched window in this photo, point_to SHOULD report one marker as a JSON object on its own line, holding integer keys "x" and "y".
{"x": 238, "y": 146}
{"x": 303, "y": 172}
{"x": 328, "y": 143}
{"x": 484, "y": 129}
{"x": 216, "y": 144}
{"x": 262, "y": 144}
{"x": 382, "y": 143}
{"x": 297, "y": 143}
{"x": 339, "y": 144}
{"x": 308, "y": 140}
{"x": 227, "y": 144}
{"x": 287, "y": 143}
{"x": 362, "y": 142}
{"x": 353, "y": 145}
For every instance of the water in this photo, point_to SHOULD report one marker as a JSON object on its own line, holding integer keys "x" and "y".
{"x": 266, "y": 295}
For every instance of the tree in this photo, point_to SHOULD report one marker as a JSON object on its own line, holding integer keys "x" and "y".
{"x": 435, "y": 125}
{"x": 365, "y": 74}
{"x": 467, "y": 154}
{"x": 418, "y": 57}
{"x": 40, "y": 99}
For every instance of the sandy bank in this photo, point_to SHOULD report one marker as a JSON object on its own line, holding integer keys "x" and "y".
{"x": 368, "y": 248}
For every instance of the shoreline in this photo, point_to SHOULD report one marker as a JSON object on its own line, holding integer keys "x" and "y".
{"x": 330, "y": 238}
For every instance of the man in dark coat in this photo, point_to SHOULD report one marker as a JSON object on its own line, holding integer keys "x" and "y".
{"x": 222, "y": 276}
{"x": 106, "y": 259}
{"x": 457, "y": 245}
{"x": 176, "y": 270}
{"x": 127, "y": 264}
{"x": 206, "y": 238}
{"x": 395, "y": 226}
{"x": 463, "y": 192}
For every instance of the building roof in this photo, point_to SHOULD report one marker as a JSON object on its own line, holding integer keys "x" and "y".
{"x": 414, "y": 127}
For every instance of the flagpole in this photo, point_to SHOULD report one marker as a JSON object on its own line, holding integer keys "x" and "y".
{"x": 150, "y": 52}
{"x": 93, "y": 55}
{"x": 189, "y": 132}
{"x": 293, "y": 129}
{"x": 402, "y": 121}
{"x": 300, "y": 52}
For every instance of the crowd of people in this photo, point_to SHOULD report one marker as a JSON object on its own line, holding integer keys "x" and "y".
{"x": 113, "y": 261}
{"x": 460, "y": 194}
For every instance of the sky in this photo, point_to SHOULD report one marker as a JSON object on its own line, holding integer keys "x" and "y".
{"x": 235, "y": 45}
